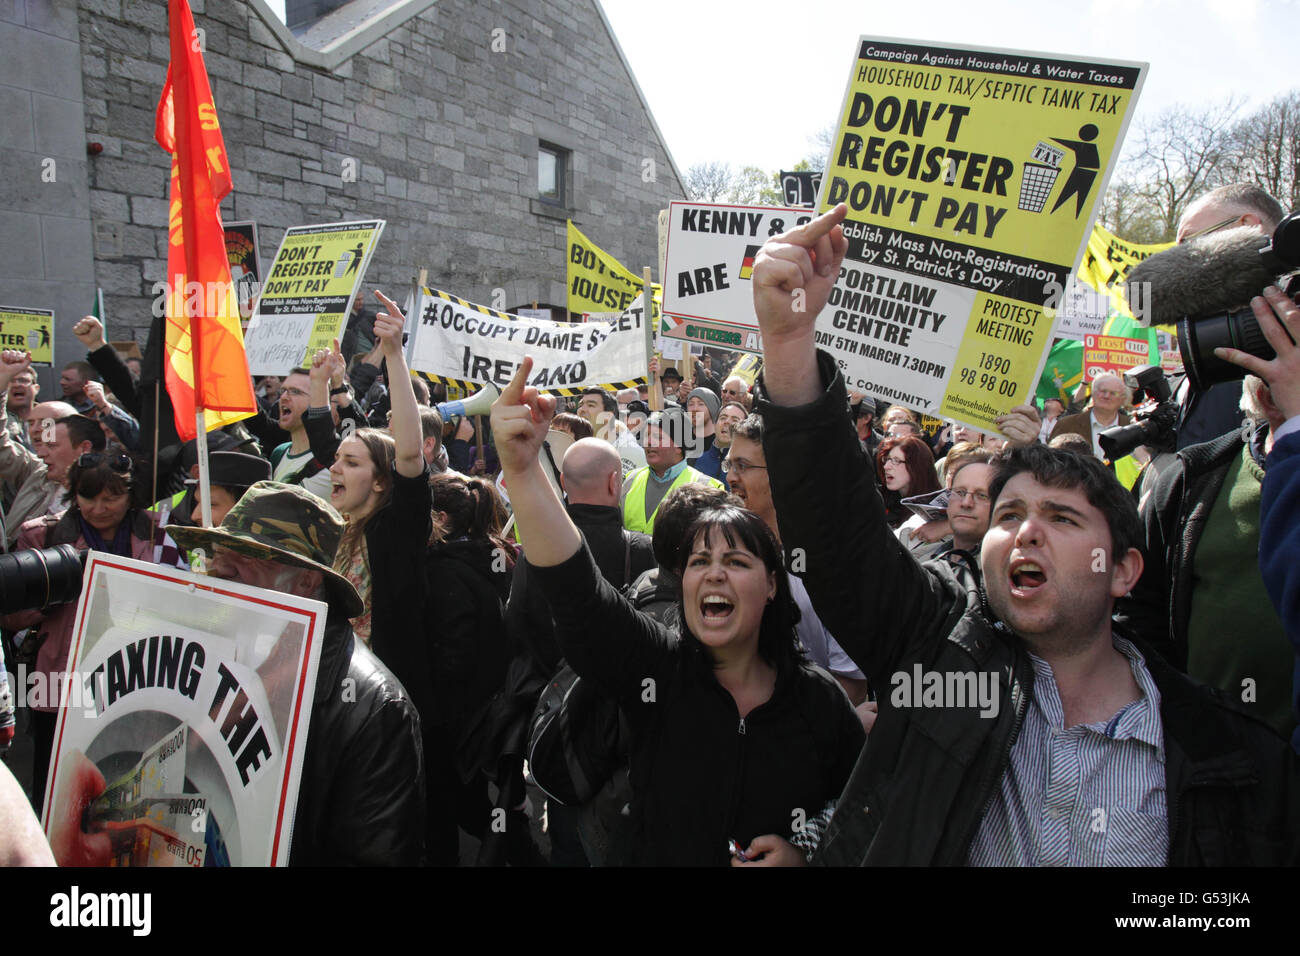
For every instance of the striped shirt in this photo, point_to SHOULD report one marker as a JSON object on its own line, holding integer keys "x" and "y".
{"x": 1089, "y": 795}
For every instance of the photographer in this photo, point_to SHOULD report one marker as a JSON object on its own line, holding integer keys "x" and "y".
{"x": 1201, "y": 598}
{"x": 105, "y": 515}
{"x": 1279, "y": 538}
{"x": 1207, "y": 414}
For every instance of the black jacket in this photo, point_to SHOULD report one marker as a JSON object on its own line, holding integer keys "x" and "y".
{"x": 467, "y": 582}
{"x": 361, "y": 801}
{"x": 1175, "y": 515}
{"x": 622, "y": 556}
{"x": 700, "y": 773}
{"x": 397, "y": 537}
{"x": 918, "y": 792}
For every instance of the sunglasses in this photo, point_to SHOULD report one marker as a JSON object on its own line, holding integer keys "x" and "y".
{"x": 119, "y": 463}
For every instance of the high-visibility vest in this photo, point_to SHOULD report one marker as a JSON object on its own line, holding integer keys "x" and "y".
{"x": 634, "y": 518}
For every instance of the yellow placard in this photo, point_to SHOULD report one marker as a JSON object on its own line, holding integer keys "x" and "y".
{"x": 307, "y": 293}
{"x": 28, "y": 330}
{"x": 972, "y": 178}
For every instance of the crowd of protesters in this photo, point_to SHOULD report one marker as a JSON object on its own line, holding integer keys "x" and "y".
{"x": 733, "y": 582}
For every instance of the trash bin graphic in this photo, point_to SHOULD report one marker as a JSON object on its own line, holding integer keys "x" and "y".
{"x": 1039, "y": 176}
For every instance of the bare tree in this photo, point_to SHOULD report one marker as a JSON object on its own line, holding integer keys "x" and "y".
{"x": 1178, "y": 155}
{"x": 1267, "y": 150}
{"x": 708, "y": 182}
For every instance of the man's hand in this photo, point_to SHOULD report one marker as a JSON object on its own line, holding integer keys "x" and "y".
{"x": 792, "y": 278}
{"x": 389, "y": 325}
{"x": 90, "y": 333}
{"x": 1020, "y": 426}
{"x": 771, "y": 850}
{"x": 794, "y": 274}
{"x": 11, "y": 363}
{"x": 867, "y": 712}
{"x": 95, "y": 392}
{"x": 320, "y": 366}
{"x": 520, "y": 419}
{"x": 1279, "y": 317}
{"x": 338, "y": 366}
{"x": 933, "y": 531}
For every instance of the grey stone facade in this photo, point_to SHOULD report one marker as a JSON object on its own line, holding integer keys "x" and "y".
{"x": 430, "y": 119}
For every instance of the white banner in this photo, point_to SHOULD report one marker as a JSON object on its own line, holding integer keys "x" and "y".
{"x": 460, "y": 343}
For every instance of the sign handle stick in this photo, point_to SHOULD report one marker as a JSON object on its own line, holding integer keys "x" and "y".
{"x": 648, "y": 292}
{"x": 205, "y": 495}
{"x": 157, "y": 400}
{"x": 478, "y": 440}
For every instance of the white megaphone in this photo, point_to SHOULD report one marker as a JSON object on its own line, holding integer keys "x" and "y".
{"x": 480, "y": 403}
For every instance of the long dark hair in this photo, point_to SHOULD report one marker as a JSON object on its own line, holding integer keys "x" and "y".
{"x": 778, "y": 644}
{"x": 473, "y": 509}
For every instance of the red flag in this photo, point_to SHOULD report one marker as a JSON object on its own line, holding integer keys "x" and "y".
{"x": 205, "y": 363}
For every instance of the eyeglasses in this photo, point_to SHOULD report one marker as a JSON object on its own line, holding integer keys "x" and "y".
{"x": 739, "y": 466}
{"x": 895, "y": 461}
{"x": 295, "y": 392}
{"x": 119, "y": 463}
{"x": 961, "y": 494}
{"x": 1215, "y": 228}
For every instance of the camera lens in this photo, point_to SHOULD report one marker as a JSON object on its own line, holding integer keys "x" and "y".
{"x": 1199, "y": 337}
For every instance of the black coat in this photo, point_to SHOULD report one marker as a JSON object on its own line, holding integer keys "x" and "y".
{"x": 700, "y": 773}
{"x": 622, "y": 556}
{"x": 361, "y": 801}
{"x": 919, "y": 790}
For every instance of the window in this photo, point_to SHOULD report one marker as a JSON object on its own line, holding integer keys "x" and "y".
{"x": 551, "y": 163}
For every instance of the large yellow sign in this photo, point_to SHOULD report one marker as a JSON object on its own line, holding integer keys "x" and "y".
{"x": 972, "y": 177}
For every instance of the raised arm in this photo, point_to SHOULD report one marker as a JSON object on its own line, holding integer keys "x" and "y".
{"x": 600, "y": 633}
{"x": 865, "y": 587}
{"x": 405, "y": 423}
{"x": 793, "y": 277}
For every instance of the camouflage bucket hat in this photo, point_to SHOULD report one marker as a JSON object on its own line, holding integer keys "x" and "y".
{"x": 284, "y": 523}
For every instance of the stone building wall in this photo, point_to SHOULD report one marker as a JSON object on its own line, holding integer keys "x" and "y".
{"x": 433, "y": 125}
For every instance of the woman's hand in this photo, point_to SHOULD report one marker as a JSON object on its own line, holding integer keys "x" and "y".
{"x": 389, "y": 326}
{"x": 520, "y": 419}
{"x": 771, "y": 850}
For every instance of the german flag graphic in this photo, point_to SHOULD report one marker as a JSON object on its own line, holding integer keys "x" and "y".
{"x": 747, "y": 264}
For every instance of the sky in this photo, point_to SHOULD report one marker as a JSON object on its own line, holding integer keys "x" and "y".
{"x": 752, "y": 83}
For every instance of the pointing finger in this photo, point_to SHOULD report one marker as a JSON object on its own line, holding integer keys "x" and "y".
{"x": 810, "y": 233}
{"x": 513, "y": 393}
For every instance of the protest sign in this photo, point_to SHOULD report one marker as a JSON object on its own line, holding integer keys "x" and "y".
{"x": 972, "y": 177}
{"x": 1113, "y": 353}
{"x": 29, "y": 330}
{"x": 708, "y": 297}
{"x": 463, "y": 344}
{"x": 182, "y": 729}
{"x": 245, "y": 264}
{"x": 308, "y": 293}
{"x": 1097, "y": 289}
{"x": 598, "y": 282}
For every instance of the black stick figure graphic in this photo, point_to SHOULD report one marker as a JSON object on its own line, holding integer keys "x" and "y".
{"x": 1087, "y": 163}
{"x": 356, "y": 255}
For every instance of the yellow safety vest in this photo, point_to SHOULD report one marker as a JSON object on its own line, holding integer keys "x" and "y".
{"x": 634, "y": 518}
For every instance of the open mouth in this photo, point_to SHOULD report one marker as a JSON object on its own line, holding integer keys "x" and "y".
{"x": 714, "y": 607}
{"x": 1026, "y": 576}
{"x": 336, "y": 488}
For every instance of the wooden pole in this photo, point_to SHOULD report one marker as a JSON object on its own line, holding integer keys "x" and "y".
{"x": 648, "y": 316}
{"x": 157, "y": 401}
